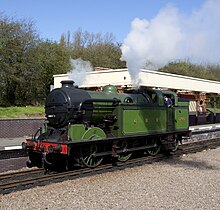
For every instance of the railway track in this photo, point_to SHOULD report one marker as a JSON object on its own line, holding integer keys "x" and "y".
{"x": 30, "y": 178}
{"x": 15, "y": 153}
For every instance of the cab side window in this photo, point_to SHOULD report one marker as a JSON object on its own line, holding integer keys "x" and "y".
{"x": 169, "y": 100}
{"x": 153, "y": 97}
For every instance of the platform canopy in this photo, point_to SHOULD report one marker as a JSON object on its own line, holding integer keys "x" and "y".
{"x": 147, "y": 78}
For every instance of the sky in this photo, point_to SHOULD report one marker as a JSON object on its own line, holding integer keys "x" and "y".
{"x": 54, "y": 17}
{"x": 152, "y": 33}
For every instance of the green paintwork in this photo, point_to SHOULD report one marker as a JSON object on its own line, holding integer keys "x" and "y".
{"x": 137, "y": 98}
{"x": 79, "y": 132}
{"x": 170, "y": 118}
{"x": 135, "y": 120}
{"x": 181, "y": 118}
{"x": 140, "y": 115}
{"x": 76, "y": 131}
{"x": 94, "y": 134}
{"x": 110, "y": 89}
{"x": 139, "y": 120}
{"x": 106, "y": 108}
{"x": 145, "y": 120}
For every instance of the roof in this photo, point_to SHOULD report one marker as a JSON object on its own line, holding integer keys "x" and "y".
{"x": 147, "y": 78}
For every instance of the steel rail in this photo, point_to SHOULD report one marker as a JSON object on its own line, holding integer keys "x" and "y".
{"x": 18, "y": 174}
{"x": 15, "y": 153}
{"x": 55, "y": 177}
{"x": 7, "y": 154}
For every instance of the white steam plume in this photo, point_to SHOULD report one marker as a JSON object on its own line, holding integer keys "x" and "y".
{"x": 174, "y": 36}
{"x": 79, "y": 70}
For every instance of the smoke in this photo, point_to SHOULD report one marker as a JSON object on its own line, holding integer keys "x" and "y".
{"x": 173, "y": 35}
{"x": 79, "y": 70}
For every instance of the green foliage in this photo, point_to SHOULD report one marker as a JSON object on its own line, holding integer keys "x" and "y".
{"x": 27, "y": 64}
{"x": 17, "y": 38}
{"x": 210, "y": 72}
{"x": 21, "y": 112}
{"x": 48, "y": 59}
{"x": 99, "y": 49}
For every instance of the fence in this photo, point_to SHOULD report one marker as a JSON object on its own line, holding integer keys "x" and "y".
{"x": 11, "y": 128}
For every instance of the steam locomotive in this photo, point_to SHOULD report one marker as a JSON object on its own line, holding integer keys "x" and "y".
{"x": 84, "y": 127}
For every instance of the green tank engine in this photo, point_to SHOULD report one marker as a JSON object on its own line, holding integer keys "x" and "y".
{"x": 86, "y": 126}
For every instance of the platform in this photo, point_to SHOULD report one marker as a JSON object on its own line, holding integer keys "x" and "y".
{"x": 204, "y": 127}
{"x": 11, "y": 143}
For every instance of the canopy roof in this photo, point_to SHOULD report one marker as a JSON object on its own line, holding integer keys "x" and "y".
{"x": 147, "y": 78}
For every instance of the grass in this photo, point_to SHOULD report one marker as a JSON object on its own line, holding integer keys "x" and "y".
{"x": 22, "y": 112}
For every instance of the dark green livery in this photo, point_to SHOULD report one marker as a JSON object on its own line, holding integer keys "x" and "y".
{"x": 83, "y": 126}
{"x": 140, "y": 113}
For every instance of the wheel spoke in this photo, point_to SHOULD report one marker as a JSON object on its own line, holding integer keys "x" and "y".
{"x": 88, "y": 158}
{"x": 125, "y": 155}
{"x": 175, "y": 145}
{"x": 91, "y": 161}
{"x": 155, "y": 149}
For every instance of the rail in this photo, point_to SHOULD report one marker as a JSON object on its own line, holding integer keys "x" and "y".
{"x": 11, "y": 183}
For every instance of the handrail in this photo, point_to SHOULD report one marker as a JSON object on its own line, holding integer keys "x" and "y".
{"x": 115, "y": 101}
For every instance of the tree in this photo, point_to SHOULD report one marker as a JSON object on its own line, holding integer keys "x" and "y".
{"x": 17, "y": 39}
{"x": 50, "y": 58}
{"x": 27, "y": 64}
{"x": 100, "y": 50}
{"x": 210, "y": 72}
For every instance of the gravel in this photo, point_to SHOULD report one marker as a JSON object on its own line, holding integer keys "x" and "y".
{"x": 9, "y": 165}
{"x": 191, "y": 182}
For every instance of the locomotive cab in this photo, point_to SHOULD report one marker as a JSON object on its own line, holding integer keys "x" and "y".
{"x": 157, "y": 96}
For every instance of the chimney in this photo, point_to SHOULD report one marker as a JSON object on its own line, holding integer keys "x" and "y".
{"x": 67, "y": 83}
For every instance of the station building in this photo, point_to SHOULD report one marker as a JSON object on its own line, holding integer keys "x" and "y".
{"x": 203, "y": 94}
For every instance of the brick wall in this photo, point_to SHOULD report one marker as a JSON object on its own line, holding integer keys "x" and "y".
{"x": 11, "y": 128}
